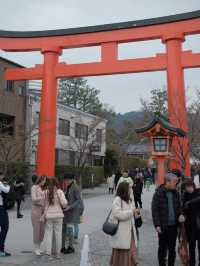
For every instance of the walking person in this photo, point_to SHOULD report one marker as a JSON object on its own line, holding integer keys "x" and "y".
{"x": 4, "y": 219}
{"x": 117, "y": 177}
{"x": 191, "y": 207}
{"x": 71, "y": 213}
{"x": 19, "y": 188}
{"x": 137, "y": 191}
{"x": 111, "y": 184}
{"x": 126, "y": 178}
{"x": 166, "y": 212}
{"x": 55, "y": 202}
{"x": 38, "y": 201}
{"x": 124, "y": 242}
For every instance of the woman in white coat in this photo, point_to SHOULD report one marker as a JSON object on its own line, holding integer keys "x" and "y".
{"x": 124, "y": 242}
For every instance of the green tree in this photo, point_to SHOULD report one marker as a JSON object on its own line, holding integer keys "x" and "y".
{"x": 156, "y": 104}
{"x": 110, "y": 162}
{"x": 76, "y": 93}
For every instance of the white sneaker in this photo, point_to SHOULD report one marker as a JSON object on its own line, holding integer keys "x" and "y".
{"x": 37, "y": 252}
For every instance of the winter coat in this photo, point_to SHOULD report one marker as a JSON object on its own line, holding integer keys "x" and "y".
{"x": 191, "y": 209}
{"x": 137, "y": 186}
{"x": 110, "y": 181}
{"x": 160, "y": 207}
{"x": 73, "y": 196}
{"x": 123, "y": 212}
{"x": 19, "y": 189}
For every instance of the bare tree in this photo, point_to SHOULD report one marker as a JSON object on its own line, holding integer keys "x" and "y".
{"x": 85, "y": 142}
{"x": 194, "y": 125}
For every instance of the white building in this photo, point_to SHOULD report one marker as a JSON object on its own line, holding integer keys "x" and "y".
{"x": 80, "y": 136}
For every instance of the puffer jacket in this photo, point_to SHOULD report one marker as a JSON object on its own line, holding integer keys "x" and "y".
{"x": 160, "y": 207}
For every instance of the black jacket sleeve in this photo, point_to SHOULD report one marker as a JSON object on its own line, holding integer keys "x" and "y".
{"x": 155, "y": 210}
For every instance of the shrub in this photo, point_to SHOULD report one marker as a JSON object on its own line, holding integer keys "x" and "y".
{"x": 86, "y": 174}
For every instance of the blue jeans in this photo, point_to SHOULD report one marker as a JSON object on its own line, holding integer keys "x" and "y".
{"x": 76, "y": 230}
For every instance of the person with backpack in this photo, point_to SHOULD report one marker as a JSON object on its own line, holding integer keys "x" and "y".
{"x": 191, "y": 209}
{"x": 4, "y": 219}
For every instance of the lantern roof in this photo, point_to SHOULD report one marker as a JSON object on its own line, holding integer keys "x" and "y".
{"x": 164, "y": 123}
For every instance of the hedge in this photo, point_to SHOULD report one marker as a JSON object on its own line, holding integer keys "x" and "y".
{"x": 12, "y": 170}
{"x": 96, "y": 171}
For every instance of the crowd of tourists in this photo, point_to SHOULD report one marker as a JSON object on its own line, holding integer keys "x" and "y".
{"x": 175, "y": 213}
{"x": 56, "y": 214}
{"x": 57, "y": 210}
{"x": 138, "y": 179}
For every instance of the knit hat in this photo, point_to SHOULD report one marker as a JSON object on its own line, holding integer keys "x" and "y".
{"x": 170, "y": 176}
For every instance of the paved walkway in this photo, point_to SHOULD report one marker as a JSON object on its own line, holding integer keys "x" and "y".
{"x": 20, "y": 237}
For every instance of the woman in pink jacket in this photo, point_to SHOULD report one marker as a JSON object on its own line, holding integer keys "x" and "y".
{"x": 38, "y": 197}
{"x": 55, "y": 202}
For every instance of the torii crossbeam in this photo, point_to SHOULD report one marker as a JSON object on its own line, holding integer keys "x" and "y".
{"x": 171, "y": 30}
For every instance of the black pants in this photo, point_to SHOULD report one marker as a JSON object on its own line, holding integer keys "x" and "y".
{"x": 19, "y": 201}
{"x": 4, "y": 225}
{"x": 192, "y": 248}
{"x": 111, "y": 190}
{"x": 138, "y": 201}
{"x": 167, "y": 244}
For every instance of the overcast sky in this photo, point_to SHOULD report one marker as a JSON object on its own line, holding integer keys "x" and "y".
{"x": 123, "y": 92}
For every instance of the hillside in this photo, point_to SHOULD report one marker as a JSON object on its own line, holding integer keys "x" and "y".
{"x": 133, "y": 117}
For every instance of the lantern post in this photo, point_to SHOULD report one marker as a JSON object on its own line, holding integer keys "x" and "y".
{"x": 161, "y": 133}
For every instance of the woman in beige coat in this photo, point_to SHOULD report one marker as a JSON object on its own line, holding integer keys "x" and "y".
{"x": 124, "y": 242}
{"x": 38, "y": 197}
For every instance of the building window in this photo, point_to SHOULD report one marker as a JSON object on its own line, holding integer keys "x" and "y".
{"x": 64, "y": 127}
{"x": 10, "y": 85}
{"x": 21, "y": 91}
{"x": 62, "y": 157}
{"x": 99, "y": 136}
{"x": 7, "y": 125}
{"x": 81, "y": 131}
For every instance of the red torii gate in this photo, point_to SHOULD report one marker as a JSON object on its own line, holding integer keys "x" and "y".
{"x": 171, "y": 30}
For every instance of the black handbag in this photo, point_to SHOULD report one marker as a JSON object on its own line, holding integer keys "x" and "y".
{"x": 110, "y": 228}
{"x": 138, "y": 222}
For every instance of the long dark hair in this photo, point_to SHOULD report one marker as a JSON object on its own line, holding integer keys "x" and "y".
{"x": 52, "y": 185}
{"x": 40, "y": 179}
{"x": 123, "y": 191}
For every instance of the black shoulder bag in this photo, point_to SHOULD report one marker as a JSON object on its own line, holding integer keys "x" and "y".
{"x": 110, "y": 228}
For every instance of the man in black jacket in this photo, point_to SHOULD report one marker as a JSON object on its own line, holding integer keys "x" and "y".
{"x": 166, "y": 211}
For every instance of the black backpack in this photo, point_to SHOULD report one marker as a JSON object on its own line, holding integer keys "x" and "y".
{"x": 8, "y": 200}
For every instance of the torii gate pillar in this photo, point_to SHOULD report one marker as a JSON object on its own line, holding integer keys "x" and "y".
{"x": 176, "y": 100}
{"x": 48, "y": 106}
